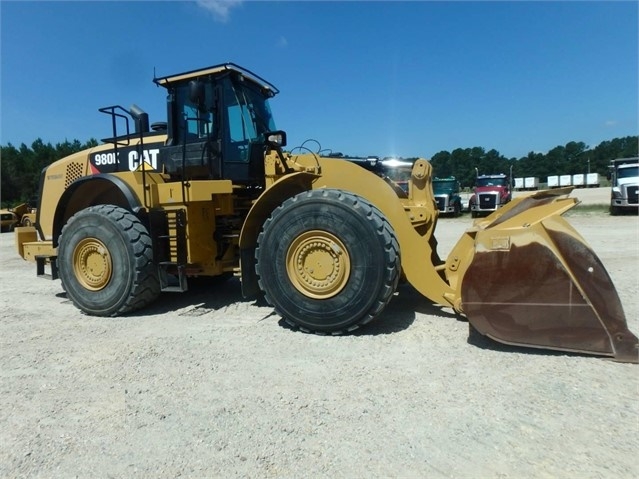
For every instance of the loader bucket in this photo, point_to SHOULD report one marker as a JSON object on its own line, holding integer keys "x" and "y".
{"x": 533, "y": 281}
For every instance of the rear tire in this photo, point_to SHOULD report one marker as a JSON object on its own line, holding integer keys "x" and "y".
{"x": 105, "y": 261}
{"x": 327, "y": 261}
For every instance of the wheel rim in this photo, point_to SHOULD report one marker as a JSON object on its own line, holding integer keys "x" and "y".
{"x": 92, "y": 264}
{"x": 318, "y": 264}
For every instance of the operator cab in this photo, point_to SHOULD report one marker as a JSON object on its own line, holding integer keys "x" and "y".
{"x": 218, "y": 124}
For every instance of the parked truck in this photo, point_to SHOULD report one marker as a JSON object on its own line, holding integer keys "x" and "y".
{"x": 624, "y": 182}
{"x": 490, "y": 193}
{"x": 212, "y": 192}
{"x": 446, "y": 192}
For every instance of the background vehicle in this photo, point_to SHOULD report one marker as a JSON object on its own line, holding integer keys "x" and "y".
{"x": 624, "y": 178}
{"x": 490, "y": 193}
{"x": 211, "y": 192}
{"x": 8, "y": 220}
{"x": 446, "y": 192}
{"x": 21, "y": 215}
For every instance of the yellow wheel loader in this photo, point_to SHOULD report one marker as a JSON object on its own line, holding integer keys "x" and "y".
{"x": 211, "y": 192}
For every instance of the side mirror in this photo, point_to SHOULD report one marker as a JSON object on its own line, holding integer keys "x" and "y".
{"x": 275, "y": 139}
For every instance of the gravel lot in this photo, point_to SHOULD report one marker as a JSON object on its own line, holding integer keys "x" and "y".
{"x": 205, "y": 384}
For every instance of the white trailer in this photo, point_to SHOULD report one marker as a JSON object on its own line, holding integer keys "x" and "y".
{"x": 592, "y": 180}
{"x": 578, "y": 180}
{"x": 531, "y": 183}
{"x": 565, "y": 180}
{"x": 519, "y": 183}
{"x": 553, "y": 181}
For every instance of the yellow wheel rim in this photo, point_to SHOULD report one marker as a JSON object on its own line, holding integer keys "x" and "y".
{"x": 318, "y": 264}
{"x": 92, "y": 264}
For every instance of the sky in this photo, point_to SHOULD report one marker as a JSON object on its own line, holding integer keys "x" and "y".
{"x": 393, "y": 78}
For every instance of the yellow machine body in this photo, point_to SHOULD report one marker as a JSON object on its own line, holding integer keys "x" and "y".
{"x": 325, "y": 240}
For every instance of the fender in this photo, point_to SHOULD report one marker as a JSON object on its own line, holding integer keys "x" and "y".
{"x": 281, "y": 190}
{"x": 417, "y": 251}
{"x": 90, "y": 191}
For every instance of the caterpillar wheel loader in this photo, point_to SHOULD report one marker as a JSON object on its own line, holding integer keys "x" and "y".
{"x": 212, "y": 192}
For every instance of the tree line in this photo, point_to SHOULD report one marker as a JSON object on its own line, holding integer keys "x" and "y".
{"x": 570, "y": 159}
{"x": 21, "y": 167}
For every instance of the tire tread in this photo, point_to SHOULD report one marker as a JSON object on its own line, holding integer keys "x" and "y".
{"x": 382, "y": 228}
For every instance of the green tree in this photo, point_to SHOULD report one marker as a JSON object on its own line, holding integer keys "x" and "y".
{"x": 21, "y": 167}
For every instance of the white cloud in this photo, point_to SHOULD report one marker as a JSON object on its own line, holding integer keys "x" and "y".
{"x": 282, "y": 42}
{"x": 221, "y": 9}
{"x": 611, "y": 123}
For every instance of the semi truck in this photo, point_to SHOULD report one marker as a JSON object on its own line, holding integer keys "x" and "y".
{"x": 490, "y": 193}
{"x": 446, "y": 192}
{"x": 624, "y": 182}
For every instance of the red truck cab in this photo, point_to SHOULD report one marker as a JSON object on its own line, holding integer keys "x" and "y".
{"x": 490, "y": 193}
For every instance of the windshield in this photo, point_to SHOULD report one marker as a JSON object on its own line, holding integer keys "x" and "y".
{"x": 492, "y": 181}
{"x": 630, "y": 172}
{"x": 445, "y": 186}
{"x": 248, "y": 112}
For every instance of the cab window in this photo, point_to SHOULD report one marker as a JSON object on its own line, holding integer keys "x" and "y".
{"x": 195, "y": 123}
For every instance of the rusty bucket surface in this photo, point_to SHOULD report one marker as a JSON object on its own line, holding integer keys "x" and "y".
{"x": 533, "y": 281}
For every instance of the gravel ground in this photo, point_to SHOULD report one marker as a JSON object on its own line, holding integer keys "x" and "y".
{"x": 206, "y": 384}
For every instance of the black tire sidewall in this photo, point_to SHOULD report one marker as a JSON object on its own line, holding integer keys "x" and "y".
{"x": 365, "y": 247}
{"x": 109, "y": 300}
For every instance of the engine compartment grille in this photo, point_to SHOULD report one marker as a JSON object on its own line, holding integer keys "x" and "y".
{"x": 487, "y": 201}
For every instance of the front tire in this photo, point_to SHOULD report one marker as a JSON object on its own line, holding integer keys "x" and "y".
{"x": 105, "y": 261}
{"x": 327, "y": 261}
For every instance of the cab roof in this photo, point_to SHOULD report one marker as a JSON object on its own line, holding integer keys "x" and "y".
{"x": 216, "y": 70}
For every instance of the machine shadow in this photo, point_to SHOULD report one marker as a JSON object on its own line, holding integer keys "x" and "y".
{"x": 204, "y": 295}
{"x": 399, "y": 314}
{"x": 210, "y": 294}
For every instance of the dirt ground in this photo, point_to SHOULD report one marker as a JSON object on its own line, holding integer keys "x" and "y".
{"x": 206, "y": 384}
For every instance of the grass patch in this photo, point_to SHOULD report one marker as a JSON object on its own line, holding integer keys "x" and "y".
{"x": 581, "y": 209}
{"x": 598, "y": 209}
